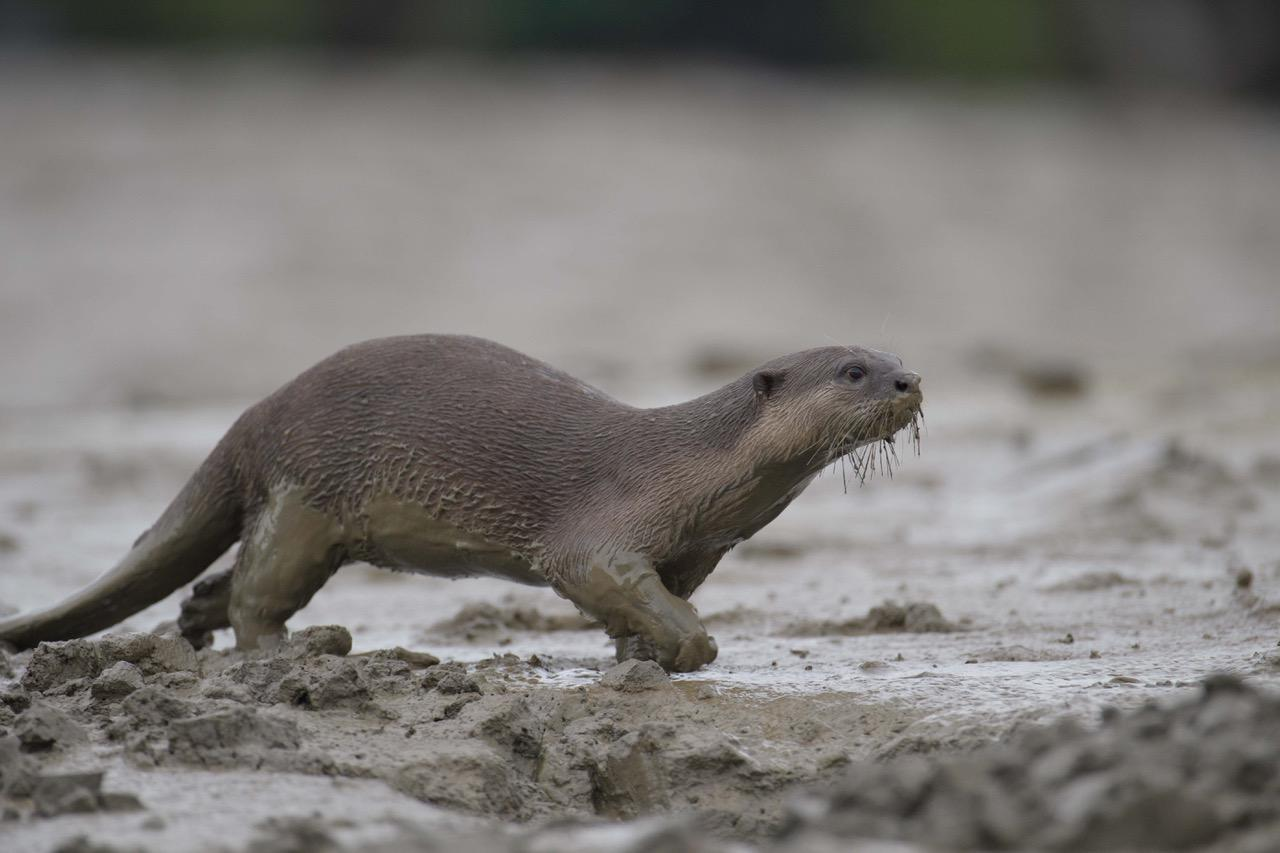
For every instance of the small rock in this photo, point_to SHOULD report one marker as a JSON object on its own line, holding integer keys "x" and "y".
{"x": 116, "y": 681}
{"x": 634, "y": 676}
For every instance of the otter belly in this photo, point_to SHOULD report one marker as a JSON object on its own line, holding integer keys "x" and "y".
{"x": 406, "y": 537}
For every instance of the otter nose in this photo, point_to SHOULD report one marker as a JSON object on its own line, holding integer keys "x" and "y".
{"x": 907, "y": 383}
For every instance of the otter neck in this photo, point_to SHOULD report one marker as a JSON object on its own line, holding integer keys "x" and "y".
{"x": 758, "y": 483}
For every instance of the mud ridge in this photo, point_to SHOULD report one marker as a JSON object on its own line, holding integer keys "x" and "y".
{"x": 914, "y": 617}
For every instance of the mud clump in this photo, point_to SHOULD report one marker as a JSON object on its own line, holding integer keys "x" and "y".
{"x": 312, "y": 671}
{"x": 660, "y": 765}
{"x": 53, "y": 664}
{"x": 1199, "y": 773}
{"x": 17, "y": 770}
{"x": 316, "y": 684}
{"x": 320, "y": 640}
{"x": 451, "y": 679}
{"x": 475, "y": 621}
{"x": 154, "y": 706}
{"x": 42, "y": 727}
{"x": 78, "y": 793}
{"x": 159, "y": 728}
{"x": 231, "y": 737}
{"x": 917, "y": 617}
{"x": 634, "y": 676}
{"x": 470, "y": 777}
{"x": 150, "y": 653}
{"x": 56, "y": 664}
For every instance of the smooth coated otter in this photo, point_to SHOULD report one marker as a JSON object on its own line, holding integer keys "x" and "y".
{"x": 457, "y": 456}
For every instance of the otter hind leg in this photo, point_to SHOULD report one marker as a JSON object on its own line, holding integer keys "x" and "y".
{"x": 207, "y": 609}
{"x": 289, "y": 552}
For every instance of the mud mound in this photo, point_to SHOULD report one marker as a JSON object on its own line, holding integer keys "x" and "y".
{"x": 1167, "y": 492}
{"x": 734, "y": 617}
{"x": 1016, "y": 654}
{"x": 483, "y": 620}
{"x": 1202, "y": 772}
{"x": 915, "y": 617}
{"x": 56, "y": 664}
{"x": 1091, "y": 582}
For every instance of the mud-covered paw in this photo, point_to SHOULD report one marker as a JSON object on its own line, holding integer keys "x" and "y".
{"x": 205, "y": 611}
{"x": 694, "y": 652}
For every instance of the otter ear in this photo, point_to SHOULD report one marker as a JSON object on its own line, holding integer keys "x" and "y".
{"x": 766, "y": 382}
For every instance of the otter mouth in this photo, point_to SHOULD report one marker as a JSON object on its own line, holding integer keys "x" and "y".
{"x": 871, "y": 447}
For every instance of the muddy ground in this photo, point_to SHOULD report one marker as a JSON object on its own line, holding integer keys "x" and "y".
{"x": 959, "y": 656}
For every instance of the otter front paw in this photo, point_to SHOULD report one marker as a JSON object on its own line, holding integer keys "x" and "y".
{"x": 692, "y": 653}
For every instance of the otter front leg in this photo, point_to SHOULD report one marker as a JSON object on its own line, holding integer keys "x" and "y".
{"x": 681, "y": 577}
{"x": 625, "y": 593}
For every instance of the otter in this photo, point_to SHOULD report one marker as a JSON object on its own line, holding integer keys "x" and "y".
{"x": 456, "y": 456}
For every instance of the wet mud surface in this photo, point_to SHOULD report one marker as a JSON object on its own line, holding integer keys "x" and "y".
{"x": 1019, "y": 641}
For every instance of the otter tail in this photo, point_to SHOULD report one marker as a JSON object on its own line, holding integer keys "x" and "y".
{"x": 202, "y": 522}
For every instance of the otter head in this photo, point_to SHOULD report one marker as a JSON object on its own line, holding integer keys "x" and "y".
{"x": 822, "y": 404}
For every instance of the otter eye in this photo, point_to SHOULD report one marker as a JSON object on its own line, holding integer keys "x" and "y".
{"x": 854, "y": 373}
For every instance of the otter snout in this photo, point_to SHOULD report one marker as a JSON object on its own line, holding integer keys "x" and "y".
{"x": 907, "y": 383}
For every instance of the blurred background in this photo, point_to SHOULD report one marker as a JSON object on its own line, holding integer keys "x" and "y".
{"x": 198, "y": 200}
